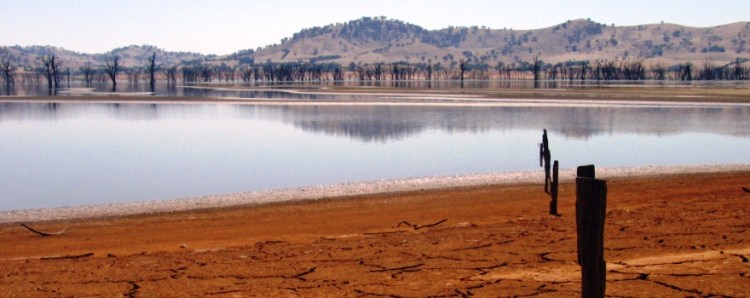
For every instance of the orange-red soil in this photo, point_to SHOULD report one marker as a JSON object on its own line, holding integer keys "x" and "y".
{"x": 668, "y": 236}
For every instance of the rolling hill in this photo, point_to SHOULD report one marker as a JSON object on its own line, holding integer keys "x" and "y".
{"x": 372, "y": 40}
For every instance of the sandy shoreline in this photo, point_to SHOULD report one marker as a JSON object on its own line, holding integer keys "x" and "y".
{"x": 666, "y": 235}
{"x": 340, "y": 190}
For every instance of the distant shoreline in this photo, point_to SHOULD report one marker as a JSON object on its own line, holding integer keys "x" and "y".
{"x": 620, "y": 95}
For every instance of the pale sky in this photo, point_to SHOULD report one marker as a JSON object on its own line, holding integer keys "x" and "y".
{"x": 225, "y": 26}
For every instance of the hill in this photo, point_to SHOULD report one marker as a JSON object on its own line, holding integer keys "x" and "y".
{"x": 373, "y": 40}
{"x": 131, "y": 56}
{"x": 370, "y": 40}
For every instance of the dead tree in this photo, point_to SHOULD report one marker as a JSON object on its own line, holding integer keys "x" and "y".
{"x": 429, "y": 70}
{"x": 708, "y": 71}
{"x": 739, "y": 72}
{"x": 88, "y": 73}
{"x": 56, "y": 64}
{"x": 151, "y": 68}
{"x": 462, "y": 69}
{"x": 686, "y": 72}
{"x": 536, "y": 67}
{"x": 68, "y": 74}
{"x": 658, "y": 72}
{"x": 9, "y": 72}
{"x": 585, "y": 69}
{"x": 170, "y": 73}
{"x": 112, "y": 67}
{"x": 51, "y": 70}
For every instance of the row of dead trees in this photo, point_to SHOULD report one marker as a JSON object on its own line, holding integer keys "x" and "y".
{"x": 600, "y": 70}
{"x": 52, "y": 70}
{"x": 635, "y": 70}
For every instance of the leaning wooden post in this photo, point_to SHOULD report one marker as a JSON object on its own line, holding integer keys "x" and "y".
{"x": 553, "y": 190}
{"x": 591, "y": 206}
{"x": 544, "y": 158}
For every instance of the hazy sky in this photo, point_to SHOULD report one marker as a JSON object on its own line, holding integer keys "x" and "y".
{"x": 225, "y": 26}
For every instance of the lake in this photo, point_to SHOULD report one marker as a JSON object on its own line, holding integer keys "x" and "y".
{"x": 68, "y": 154}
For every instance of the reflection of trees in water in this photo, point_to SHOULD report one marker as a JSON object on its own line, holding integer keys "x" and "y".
{"x": 376, "y": 123}
{"x": 387, "y": 123}
{"x": 383, "y": 123}
{"x": 366, "y": 130}
{"x": 57, "y": 111}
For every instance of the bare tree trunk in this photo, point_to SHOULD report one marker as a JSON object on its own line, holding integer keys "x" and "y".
{"x": 9, "y": 72}
{"x": 151, "y": 68}
{"x": 50, "y": 63}
{"x": 112, "y": 67}
{"x": 462, "y": 68}
{"x": 536, "y": 67}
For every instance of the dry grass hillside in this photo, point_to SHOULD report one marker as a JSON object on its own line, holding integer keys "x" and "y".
{"x": 370, "y": 40}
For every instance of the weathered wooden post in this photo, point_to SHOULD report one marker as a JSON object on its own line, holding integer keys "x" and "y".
{"x": 591, "y": 206}
{"x": 544, "y": 158}
{"x": 553, "y": 190}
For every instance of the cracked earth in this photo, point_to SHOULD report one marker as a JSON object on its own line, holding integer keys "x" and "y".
{"x": 675, "y": 236}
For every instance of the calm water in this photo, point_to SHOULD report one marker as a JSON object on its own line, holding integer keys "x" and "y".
{"x": 72, "y": 154}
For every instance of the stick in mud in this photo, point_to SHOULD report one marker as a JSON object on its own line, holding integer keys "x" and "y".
{"x": 553, "y": 190}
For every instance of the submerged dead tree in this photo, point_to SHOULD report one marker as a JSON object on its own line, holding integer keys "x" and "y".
{"x": 87, "y": 72}
{"x": 9, "y": 72}
{"x": 686, "y": 72}
{"x": 112, "y": 67}
{"x": 51, "y": 70}
{"x": 151, "y": 68}
{"x": 536, "y": 67}
{"x": 462, "y": 68}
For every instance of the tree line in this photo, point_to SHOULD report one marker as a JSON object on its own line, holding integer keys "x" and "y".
{"x": 113, "y": 70}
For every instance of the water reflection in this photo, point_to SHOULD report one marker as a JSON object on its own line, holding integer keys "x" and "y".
{"x": 388, "y": 123}
{"x": 384, "y": 123}
{"x": 82, "y": 153}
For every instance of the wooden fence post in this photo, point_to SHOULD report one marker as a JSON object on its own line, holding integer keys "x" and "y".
{"x": 591, "y": 206}
{"x": 553, "y": 191}
{"x": 587, "y": 171}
